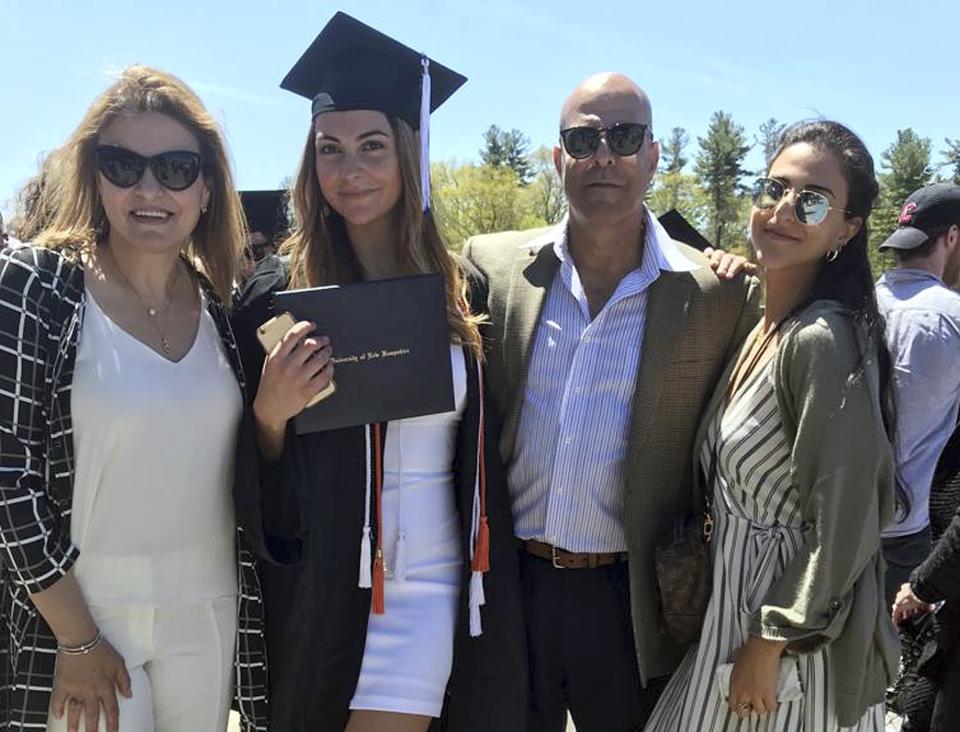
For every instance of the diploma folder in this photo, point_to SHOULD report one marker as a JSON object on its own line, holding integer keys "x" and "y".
{"x": 391, "y": 349}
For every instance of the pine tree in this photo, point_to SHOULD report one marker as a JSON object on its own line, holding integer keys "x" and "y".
{"x": 906, "y": 165}
{"x": 719, "y": 168}
{"x": 672, "y": 149}
{"x": 510, "y": 148}
{"x": 492, "y": 152}
{"x": 769, "y": 138}
{"x": 952, "y": 160}
{"x": 671, "y": 179}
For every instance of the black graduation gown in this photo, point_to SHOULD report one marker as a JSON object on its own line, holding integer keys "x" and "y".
{"x": 310, "y": 505}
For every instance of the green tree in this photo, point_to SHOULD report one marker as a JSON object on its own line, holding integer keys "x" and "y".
{"x": 669, "y": 184}
{"x": 672, "y": 149}
{"x": 719, "y": 168}
{"x": 769, "y": 137}
{"x": 952, "y": 160}
{"x": 682, "y": 192}
{"x": 906, "y": 167}
{"x": 545, "y": 193}
{"x": 510, "y": 148}
{"x": 474, "y": 199}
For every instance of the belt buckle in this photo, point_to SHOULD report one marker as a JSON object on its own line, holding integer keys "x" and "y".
{"x": 553, "y": 558}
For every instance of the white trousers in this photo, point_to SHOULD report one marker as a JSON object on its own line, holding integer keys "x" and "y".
{"x": 180, "y": 660}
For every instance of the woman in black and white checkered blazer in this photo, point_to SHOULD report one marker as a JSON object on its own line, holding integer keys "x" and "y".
{"x": 127, "y": 591}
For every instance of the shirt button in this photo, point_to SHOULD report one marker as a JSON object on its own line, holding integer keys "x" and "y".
{"x": 586, "y": 339}
{"x": 577, "y": 390}
{"x": 559, "y": 491}
{"x": 566, "y": 440}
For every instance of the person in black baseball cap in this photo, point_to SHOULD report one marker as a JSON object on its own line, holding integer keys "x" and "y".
{"x": 922, "y": 315}
{"x": 406, "y": 605}
{"x": 927, "y": 214}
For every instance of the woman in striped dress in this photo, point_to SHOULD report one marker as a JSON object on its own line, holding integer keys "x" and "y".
{"x": 795, "y": 451}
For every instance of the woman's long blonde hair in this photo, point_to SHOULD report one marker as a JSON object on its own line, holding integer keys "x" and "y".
{"x": 69, "y": 202}
{"x": 320, "y": 249}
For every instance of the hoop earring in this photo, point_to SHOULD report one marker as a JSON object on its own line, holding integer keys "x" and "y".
{"x": 833, "y": 255}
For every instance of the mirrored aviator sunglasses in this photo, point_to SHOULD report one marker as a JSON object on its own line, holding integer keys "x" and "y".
{"x": 175, "y": 169}
{"x": 623, "y": 139}
{"x": 810, "y": 207}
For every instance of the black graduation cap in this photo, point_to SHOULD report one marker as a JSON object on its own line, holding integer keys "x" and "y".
{"x": 353, "y": 66}
{"x": 266, "y": 212}
{"x": 682, "y": 230}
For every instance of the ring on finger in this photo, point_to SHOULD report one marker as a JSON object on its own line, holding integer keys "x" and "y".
{"x": 743, "y": 706}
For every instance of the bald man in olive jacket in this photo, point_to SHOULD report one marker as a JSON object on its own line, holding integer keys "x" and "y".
{"x": 605, "y": 342}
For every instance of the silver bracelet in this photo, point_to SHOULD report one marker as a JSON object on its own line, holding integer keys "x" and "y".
{"x": 81, "y": 650}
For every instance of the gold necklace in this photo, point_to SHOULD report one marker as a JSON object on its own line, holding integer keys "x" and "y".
{"x": 152, "y": 312}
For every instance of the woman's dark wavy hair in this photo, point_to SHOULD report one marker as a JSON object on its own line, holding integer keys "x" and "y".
{"x": 848, "y": 279}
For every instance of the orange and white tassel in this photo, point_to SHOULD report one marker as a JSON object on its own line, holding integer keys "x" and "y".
{"x": 479, "y": 528}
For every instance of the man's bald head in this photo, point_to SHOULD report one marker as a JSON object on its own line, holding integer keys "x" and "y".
{"x": 603, "y": 186}
{"x": 603, "y": 94}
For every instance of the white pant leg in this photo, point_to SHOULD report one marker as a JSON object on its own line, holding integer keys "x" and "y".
{"x": 191, "y": 671}
{"x": 180, "y": 660}
{"x": 129, "y": 630}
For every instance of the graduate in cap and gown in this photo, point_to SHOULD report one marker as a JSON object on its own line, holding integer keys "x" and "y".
{"x": 266, "y": 213}
{"x": 399, "y": 608}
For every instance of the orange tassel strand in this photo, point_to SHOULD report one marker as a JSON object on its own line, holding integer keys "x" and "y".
{"x": 378, "y": 606}
{"x": 481, "y": 549}
{"x": 481, "y": 552}
{"x": 378, "y": 570}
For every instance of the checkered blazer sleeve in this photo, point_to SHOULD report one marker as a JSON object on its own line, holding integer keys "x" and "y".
{"x": 35, "y": 550}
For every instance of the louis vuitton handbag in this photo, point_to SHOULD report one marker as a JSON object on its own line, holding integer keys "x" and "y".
{"x": 683, "y": 567}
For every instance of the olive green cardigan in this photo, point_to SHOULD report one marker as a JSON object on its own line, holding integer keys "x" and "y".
{"x": 831, "y": 593}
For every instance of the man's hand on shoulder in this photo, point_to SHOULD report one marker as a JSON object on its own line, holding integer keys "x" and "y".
{"x": 727, "y": 265}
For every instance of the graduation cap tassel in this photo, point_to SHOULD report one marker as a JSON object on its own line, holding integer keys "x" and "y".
{"x": 425, "y": 133}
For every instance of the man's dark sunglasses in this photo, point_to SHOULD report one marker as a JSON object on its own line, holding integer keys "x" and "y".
{"x": 175, "y": 169}
{"x": 623, "y": 139}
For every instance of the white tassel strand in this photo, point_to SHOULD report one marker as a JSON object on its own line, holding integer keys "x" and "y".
{"x": 366, "y": 560}
{"x": 400, "y": 558}
{"x": 366, "y": 549}
{"x": 477, "y": 600}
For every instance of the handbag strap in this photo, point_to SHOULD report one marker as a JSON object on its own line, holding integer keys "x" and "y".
{"x": 708, "y": 489}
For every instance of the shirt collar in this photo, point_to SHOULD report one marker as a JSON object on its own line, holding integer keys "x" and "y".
{"x": 657, "y": 244}
{"x": 904, "y": 274}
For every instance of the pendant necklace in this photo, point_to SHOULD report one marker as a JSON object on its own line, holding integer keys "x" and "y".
{"x": 153, "y": 314}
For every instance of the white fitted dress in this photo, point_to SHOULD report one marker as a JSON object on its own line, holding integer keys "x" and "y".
{"x": 409, "y": 649}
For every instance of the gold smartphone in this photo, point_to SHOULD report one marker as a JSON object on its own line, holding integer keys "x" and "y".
{"x": 270, "y": 333}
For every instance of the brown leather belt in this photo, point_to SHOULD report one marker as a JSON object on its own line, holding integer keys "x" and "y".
{"x": 562, "y": 559}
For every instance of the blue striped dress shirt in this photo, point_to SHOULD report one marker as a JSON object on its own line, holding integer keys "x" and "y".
{"x": 567, "y": 473}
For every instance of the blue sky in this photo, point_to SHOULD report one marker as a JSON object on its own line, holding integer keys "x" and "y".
{"x": 877, "y": 66}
